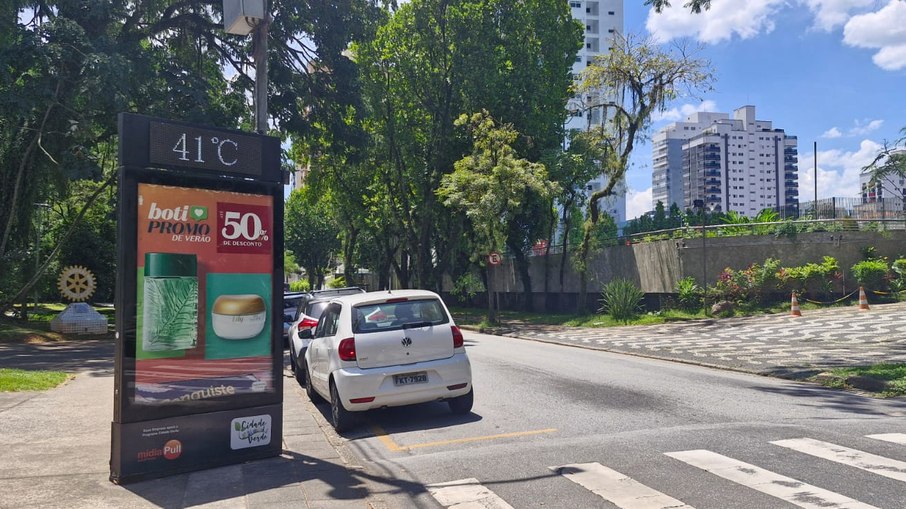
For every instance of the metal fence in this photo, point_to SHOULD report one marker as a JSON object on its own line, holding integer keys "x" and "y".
{"x": 846, "y": 208}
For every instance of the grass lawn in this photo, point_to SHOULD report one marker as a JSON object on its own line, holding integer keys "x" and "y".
{"x": 885, "y": 380}
{"x": 14, "y": 380}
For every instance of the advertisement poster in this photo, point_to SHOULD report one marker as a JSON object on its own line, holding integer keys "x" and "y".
{"x": 204, "y": 290}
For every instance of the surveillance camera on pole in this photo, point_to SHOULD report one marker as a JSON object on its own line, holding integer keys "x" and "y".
{"x": 240, "y": 17}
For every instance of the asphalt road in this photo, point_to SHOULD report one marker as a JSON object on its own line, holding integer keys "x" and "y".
{"x": 559, "y": 426}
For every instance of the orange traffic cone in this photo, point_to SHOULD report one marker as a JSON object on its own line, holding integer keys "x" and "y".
{"x": 863, "y": 300}
{"x": 794, "y": 306}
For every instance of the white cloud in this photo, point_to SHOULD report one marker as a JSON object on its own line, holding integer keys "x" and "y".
{"x": 838, "y": 171}
{"x": 681, "y": 113}
{"x": 884, "y": 30}
{"x": 830, "y": 14}
{"x": 860, "y": 128}
{"x": 638, "y": 202}
{"x": 722, "y": 21}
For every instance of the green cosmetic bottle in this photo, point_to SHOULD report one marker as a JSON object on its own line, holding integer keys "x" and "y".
{"x": 170, "y": 301}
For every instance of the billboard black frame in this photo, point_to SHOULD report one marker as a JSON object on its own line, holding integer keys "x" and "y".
{"x": 198, "y": 418}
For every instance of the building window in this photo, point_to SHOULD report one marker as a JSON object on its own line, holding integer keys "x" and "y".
{"x": 611, "y": 13}
{"x": 575, "y": 4}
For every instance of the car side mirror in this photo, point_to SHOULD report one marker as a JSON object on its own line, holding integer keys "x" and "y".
{"x": 305, "y": 334}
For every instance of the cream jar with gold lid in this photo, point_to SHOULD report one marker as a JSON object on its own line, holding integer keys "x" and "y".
{"x": 238, "y": 316}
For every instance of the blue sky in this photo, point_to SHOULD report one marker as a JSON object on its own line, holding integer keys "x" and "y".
{"x": 826, "y": 71}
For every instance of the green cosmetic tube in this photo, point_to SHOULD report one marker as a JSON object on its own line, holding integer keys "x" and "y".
{"x": 170, "y": 301}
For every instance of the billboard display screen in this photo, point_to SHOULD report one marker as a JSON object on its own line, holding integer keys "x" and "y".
{"x": 203, "y": 292}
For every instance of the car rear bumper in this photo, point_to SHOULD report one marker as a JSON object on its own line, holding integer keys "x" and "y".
{"x": 356, "y": 383}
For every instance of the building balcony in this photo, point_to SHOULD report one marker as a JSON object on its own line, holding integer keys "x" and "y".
{"x": 712, "y": 173}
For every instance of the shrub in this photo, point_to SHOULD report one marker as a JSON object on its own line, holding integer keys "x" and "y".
{"x": 467, "y": 286}
{"x": 299, "y": 286}
{"x": 621, "y": 299}
{"x": 689, "y": 294}
{"x": 871, "y": 273}
{"x": 898, "y": 275}
{"x": 337, "y": 282}
{"x": 816, "y": 279}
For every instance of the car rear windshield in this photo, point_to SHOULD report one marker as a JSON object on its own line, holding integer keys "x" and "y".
{"x": 398, "y": 315}
{"x": 315, "y": 309}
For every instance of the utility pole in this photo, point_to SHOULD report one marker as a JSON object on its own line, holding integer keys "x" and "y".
{"x": 241, "y": 17}
{"x": 260, "y": 57}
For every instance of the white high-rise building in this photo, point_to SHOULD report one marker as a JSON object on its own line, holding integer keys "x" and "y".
{"x": 602, "y": 20}
{"x": 724, "y": 163}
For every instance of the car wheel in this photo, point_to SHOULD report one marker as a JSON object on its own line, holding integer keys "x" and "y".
{"x": 461, "y": 404}
{"x": 341, "y": 418}
{"x": 312, "y": 393}
{"x": 299, "y": 372}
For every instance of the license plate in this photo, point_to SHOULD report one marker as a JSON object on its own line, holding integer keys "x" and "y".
{"x": 410, "y": 378}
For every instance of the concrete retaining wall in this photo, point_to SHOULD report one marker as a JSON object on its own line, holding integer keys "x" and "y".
{"x": 657, "y": 266}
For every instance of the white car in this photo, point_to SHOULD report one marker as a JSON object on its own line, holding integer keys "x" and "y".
{"x": 384, "y": 349}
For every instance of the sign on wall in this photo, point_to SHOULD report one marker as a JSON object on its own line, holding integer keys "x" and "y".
{"x": 199, "y": 348}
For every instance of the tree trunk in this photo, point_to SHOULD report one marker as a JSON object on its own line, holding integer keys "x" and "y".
{"x": 23, "y": 164}
{"x": 23, "y": 292}
{"x": 522, "y": 264}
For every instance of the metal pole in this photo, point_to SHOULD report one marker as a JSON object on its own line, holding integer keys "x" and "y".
{"x": 260, "y": 57}
{"x": 40, "y": 233}
{"x": 815, "y": 150}
{"x": 704, "y": 261}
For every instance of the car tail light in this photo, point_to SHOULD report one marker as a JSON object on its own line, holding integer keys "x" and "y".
{"x": 347, "y": 349}
{"x": 362, "y": 400}
{"x": 397, "y": 299}
{"x": 456, "y": 387}
{"x": 458, "y": 340}
{"x": 308, "y": 323}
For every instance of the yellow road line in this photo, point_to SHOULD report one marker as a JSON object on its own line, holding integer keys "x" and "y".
{"x": 394, "y": 447}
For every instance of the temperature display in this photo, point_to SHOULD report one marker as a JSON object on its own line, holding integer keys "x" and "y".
{"x": 179, "y": 145}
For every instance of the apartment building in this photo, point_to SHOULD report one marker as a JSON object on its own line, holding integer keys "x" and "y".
{"x": 739, "y": 163}
{"x": 602, "y": 20}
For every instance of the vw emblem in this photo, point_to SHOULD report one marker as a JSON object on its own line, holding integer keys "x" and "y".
{"x": 406, "y": 341}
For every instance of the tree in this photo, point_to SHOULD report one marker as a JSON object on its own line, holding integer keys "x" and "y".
{"x": 434, "y": 60}
{"x": 889, "y": 162}
{"x": 627, "y": 84}
{"x": 491, "y": 186}
{"x": 695, "y": 6}
{"x": 310, "y": 233}
{"x": 160, "y": 58}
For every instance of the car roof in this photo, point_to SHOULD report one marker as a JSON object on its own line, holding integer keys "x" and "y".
{"x": 318, "y": 300}
{"x": 381, "y": 296}
{"x": 338, "y": 291}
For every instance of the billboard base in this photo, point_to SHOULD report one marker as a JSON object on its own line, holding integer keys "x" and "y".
{"x": 161, "y": 447}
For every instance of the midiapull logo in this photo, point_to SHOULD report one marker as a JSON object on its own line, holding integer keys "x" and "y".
{"x": 407, "y": 341}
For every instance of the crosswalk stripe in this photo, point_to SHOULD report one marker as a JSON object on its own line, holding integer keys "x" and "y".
{"x": 896, "y": 438}
{"x": 466, "y": 494}
{"x": 617, "y": 488}
{"x": 880, "y": 465}
{"x": 785, "y": 488}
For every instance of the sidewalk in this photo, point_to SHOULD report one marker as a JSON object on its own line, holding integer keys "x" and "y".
{"x": 55, "y": 449}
